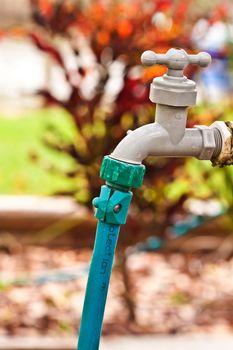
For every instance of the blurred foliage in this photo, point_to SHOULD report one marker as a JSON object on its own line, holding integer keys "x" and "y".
{"x": 106, "y": 40}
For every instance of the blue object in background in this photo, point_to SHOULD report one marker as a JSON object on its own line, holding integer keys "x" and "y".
{"x": 216, "y": 79}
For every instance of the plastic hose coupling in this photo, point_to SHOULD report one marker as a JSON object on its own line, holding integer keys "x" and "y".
{"x": 120, "y": 174}
{"x": 113, "y": 203}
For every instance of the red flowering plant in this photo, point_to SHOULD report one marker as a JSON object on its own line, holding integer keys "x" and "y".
{"x": 107, "y": 39}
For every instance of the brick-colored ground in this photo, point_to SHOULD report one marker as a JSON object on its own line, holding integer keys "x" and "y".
{"x": 172, "y": 295}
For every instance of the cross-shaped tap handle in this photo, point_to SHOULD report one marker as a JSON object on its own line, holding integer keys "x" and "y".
{"x": 175, "y": 60}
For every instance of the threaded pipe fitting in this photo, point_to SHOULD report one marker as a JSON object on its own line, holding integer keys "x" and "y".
{"x": 218, "y": 142}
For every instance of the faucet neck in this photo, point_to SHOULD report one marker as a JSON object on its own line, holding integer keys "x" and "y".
{"x": 173, "y": 119}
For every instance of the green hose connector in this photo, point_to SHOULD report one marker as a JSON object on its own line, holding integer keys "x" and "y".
{"x": 111, "y": 211}
{"x": 121, "y": 174}
{"x": 112, "y": 205}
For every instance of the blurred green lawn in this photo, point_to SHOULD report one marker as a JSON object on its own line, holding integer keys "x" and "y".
{"x": 20, "y": 140}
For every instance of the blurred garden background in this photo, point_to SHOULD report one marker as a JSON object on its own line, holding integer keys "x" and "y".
{"x": 71, "y": 85}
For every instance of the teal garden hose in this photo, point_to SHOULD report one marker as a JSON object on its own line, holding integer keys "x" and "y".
{"x": 111, "y": 211}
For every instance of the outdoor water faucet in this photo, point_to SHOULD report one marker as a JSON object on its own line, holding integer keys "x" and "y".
{"x": 168, "y": 136}
{"x": 122, "y": 170}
